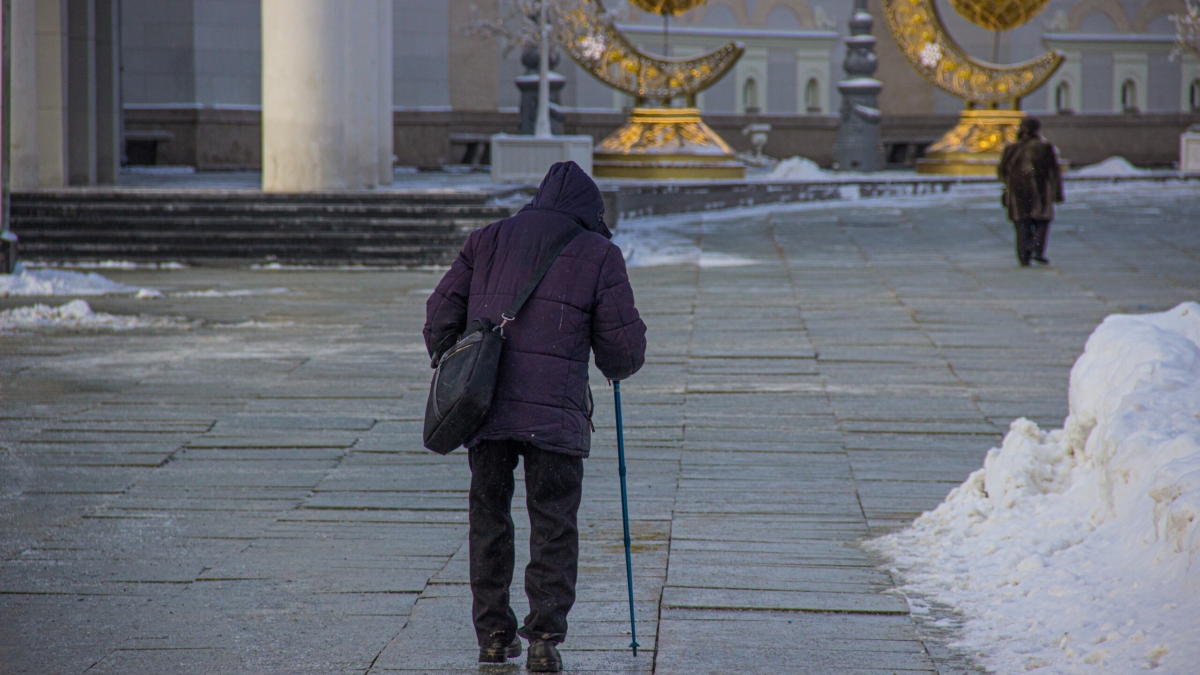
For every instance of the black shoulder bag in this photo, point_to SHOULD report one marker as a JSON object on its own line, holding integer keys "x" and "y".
{"x": 464, "y": 383}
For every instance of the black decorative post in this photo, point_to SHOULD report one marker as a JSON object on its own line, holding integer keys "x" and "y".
{"x": 858, "y": 147}
{"x": 528, "y": 85}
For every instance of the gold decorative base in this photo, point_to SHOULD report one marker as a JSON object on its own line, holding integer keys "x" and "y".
{"x": 972, "y": 148}
{"x": 666, "y": 143}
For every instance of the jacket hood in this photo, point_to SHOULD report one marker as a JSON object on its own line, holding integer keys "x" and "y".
{"x": 568, "y": 189}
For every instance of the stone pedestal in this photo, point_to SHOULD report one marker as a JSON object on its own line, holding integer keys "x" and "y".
{"x": 665, "y": 144}
{"x": 1189, "y": 150}
{"x": 974, "y": 146}
{"x": 8, "y": 252}
{"x": 526, "y": 159}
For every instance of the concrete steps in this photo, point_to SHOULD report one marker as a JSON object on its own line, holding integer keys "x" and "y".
{"x": 424, "y": 227}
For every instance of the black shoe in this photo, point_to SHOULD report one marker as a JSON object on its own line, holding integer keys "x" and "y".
{"x": 1041, "y": 260}
{"x": 1024, "y": 263}
{"x": 497, "y": 652}
{"x": 543, "y": 657}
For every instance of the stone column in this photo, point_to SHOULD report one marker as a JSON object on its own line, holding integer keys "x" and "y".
{"x": 362, "y": 103}
{"x": 23, "y": 141}
{"x": 51, "y": 61}
{"x": 386, "y": 140}
{"x": 81, "y": 92}
{"x": 109, "y": 141}
{"x": 304, "y": 95}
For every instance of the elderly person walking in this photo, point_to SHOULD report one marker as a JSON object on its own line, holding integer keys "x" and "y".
{"x": 542, "y": 409}
{"x": 1033, "y": 182}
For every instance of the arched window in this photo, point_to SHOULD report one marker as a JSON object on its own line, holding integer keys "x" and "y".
{"x": 1194, "y": 95}
{"x": 1062, "y": 98}
{"x": 750, "y": 96}
{"x": 1129, "y": 96}
{"x": 812, "y": 96}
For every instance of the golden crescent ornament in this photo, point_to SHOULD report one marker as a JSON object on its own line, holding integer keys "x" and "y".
{"x": 665, "y": 7}
{"x": 998, "y": 14}
{"x": 654, "y": 143}
{"x": 599, "y": 48}
{"x": 921, "y": 35}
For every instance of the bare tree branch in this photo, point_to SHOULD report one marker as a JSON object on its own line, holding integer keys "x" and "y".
{"x": 1187, "y": 31}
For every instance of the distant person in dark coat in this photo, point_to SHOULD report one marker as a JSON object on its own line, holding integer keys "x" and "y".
{"x": 543, "y": 405}
{"x": 1032, "y": 183}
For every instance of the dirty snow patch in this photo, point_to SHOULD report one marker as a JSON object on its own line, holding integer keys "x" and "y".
{"x": 1113, "y": 166}
{"x": 1075, "y": 550}
{"x": 241, "y": 293}
{"x": 77, "y": 315}
{"x": 268, "y": 325}
{"x": 112, "y": 265}
{"x": 26, "y": 281}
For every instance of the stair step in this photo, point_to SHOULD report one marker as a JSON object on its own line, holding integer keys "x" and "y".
{"x": 212, "y": 226}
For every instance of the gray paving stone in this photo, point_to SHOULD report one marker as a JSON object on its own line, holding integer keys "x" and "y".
{"x": 219, "y": 500}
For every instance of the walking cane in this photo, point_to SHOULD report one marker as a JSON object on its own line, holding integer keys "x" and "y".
{"x": 625, "y": 513}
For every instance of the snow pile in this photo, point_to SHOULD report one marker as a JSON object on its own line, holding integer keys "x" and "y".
{"x": 27, "y": 281}
{"x": 1113, "y": 166}
{"x": 76, "y": 315}
{"x": 797, "y": 168}
{"x": 1075, "y": 550}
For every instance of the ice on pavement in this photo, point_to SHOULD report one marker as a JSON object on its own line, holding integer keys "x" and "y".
{"x": 657, "y": 242}
{"x": 1113, "y": 166}
{"x": 1075, "y": 550}
{"x": 26, "y": 281}
{"x": 239, "y": 293}
{"x": 77, "y": 315}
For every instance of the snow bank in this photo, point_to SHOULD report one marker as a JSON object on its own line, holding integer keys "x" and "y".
{"x": 1113, "y": 166}
{"x": 27, "y": 281}
{"x": 1075, "y": 550}
{"x": 77, "y": 315}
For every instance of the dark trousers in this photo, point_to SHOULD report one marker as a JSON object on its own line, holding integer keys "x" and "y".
{"x": 553, "y": 486}
{"x": 1031, "y": 238}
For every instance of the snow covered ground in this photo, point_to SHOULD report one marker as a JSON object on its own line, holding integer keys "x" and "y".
{"x": 1076, "y": 550}
{"x": 27, "y": 281}
{"x": 78, "y": 315}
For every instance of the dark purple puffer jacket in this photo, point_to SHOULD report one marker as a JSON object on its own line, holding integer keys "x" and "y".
{"x": 583, "y": 304}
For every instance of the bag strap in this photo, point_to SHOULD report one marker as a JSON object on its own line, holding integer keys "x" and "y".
{"x": 536, "y": 278}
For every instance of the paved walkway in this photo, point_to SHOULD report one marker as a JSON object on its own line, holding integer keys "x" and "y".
{"x": 233, "y": 497}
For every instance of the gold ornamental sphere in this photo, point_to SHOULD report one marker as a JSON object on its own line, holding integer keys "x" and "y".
{"x": 665, "y": 7}
{"x": 998, "y": 14}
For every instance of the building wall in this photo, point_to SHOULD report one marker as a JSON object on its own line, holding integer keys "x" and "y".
{"x": 227, "y": 36}
{"x": 158, "y": 51}
{"x": 206, "y": 54}
{"x": 421, "y": 54}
